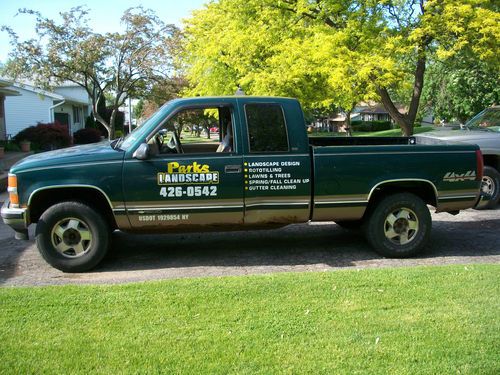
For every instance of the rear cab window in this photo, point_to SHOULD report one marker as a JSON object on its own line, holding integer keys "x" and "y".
{"x": 267, "y": 131}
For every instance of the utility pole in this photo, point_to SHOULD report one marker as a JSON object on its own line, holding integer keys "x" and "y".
{"x": 129, "y": 115}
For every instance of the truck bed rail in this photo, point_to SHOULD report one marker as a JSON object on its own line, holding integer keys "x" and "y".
{"x": 360, "y": 141}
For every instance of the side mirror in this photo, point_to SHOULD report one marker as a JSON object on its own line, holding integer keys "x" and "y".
{"x": 142, "y": 152}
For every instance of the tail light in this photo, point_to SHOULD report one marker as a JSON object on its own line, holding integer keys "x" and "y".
{"x": 479, "y": 165}
{"x": 12, "y": 189}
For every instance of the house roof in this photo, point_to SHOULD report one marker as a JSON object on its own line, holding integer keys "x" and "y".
{"x": 53, "y": 95}
{"x": 376, "y": 108}
{"x": 339, "y": 118}
{"x": 4, "y": 90}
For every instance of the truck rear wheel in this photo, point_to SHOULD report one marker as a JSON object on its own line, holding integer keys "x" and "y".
{"x": 72, "y": 237}
{"x": 399, "y": 226}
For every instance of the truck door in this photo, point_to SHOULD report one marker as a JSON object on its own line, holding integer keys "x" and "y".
{"x": 277, "y": 166}
{"x": 189, "y": 180}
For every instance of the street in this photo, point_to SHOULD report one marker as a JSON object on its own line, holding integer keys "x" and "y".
{"x": 470, "y": 237}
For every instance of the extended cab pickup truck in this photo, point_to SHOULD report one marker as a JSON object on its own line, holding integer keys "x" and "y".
{"x": 263, "y": 172}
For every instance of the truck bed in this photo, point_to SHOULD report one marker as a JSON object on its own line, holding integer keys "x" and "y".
{"x": 348, "y": 171}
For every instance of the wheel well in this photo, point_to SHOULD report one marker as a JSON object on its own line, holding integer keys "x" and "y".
{"x": 421, "y": 189}
{"x": 44, "y": 199}
{"x": 492, "y": 161}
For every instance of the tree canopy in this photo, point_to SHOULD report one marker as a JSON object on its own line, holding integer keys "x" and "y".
{"x": 118, "y": 65}
{"x": 334, "y": 52}
{"x": 460, "y": 87}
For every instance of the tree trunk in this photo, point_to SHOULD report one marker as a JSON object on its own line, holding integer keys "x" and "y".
{"x": 348, "y": 123}
{"x": 111, "y": 132}
{"x": 99, "y": 118}
{"x": 178, "y": 130}
{"x": 96, "y": 101}
{"x": 398, "y": 117}
{"x": 417, "y": 90}
{"x": 207, "y": 127}
{"x": 406, "y": 121}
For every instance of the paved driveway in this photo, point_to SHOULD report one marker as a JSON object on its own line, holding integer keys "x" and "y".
{"x": 471, "y": 237}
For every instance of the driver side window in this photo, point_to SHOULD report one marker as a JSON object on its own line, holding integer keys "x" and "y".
{"x": 196, "y": 131}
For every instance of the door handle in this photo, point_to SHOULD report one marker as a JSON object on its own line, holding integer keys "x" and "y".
{"x": 232, "y": 169}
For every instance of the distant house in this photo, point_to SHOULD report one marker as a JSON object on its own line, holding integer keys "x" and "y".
{"x": 372, "y": 111}
{"x": 67, "y": 105}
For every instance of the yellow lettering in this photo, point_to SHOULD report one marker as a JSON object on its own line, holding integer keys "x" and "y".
{"x": 172, "y": 166}
{"x": 175, "y": 167}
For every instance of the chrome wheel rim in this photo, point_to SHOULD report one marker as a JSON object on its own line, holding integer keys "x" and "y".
{"x": 71, "y": 237}
{"x": 488, "y": 185}
{"x": 401, "y": 226}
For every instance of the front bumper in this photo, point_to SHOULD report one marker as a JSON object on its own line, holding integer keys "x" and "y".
{"x": 16, "y": 218}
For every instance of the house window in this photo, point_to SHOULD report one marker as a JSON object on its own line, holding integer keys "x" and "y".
{"x": 76, "y": 115}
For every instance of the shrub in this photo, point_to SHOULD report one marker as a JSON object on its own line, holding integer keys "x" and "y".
{"x": 45, "y": 137}
{"x": 106, "y": 115}
{"x": 370, "y": 126}
{"x": 84, "y": 136}
{"x": 360, "y": 126}
{"x": 90, "y": 123}
{"x": 11, "y": 146}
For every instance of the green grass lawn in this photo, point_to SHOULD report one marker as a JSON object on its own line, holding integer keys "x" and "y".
{"x": 423, "y": 320}
{"x": 384, "y": 133}
{"x": 187, "y": 137}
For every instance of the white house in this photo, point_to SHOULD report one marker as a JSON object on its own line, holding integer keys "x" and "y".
{"x": 68, "y": 105}
{"x": 4, "y": 92}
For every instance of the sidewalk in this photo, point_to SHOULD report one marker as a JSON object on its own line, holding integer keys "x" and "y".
{"x": 6, "y": 162}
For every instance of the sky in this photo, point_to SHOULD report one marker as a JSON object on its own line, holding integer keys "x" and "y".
{"x": 104, "y": 14}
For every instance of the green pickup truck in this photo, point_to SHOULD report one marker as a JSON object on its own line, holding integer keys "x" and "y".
{"x": 262, "y": 172}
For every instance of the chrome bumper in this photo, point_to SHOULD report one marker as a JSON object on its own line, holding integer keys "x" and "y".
{"x": 16, "y": 218}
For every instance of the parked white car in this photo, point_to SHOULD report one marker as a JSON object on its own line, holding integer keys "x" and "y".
{"x": 483, "y": 130}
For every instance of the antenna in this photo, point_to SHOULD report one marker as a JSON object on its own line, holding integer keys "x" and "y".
{"x": 239, "y": 91}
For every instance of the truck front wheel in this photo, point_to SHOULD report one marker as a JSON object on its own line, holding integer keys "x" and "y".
{"x": 72, "y": 237}
{"x": 399, "y": 226}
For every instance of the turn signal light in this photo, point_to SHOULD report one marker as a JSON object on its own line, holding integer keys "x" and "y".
{"x": 12, "y": 180}
{"x": 12, "y": 189}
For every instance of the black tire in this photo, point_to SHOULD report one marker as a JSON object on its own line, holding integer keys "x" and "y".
{"x": 72, "y": 237}
{"x": 490, "y": 184}
{"x": 406, "y": 232}
{"x": 350, "y": 225}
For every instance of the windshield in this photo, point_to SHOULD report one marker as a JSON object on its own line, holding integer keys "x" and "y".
{"x": 488, "y": 120}
{"x": 142, "y": 131}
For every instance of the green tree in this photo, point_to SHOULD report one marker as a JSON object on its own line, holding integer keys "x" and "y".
{"x": 334, "y": 51}
{"x": 460, "y": 87}
{"x": 166, "y": 89}
{"x": 115, "y": 64}
{"x": 139, "y": 109}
